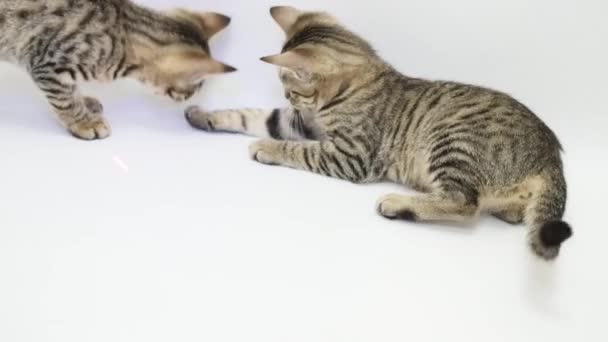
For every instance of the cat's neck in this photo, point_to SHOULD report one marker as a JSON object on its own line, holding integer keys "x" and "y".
{"x": 370, "y": 81}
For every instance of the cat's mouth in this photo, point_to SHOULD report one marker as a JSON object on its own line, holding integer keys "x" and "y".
{"x": 180, "y": 95}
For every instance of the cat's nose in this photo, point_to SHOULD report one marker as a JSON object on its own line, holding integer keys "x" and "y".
{"x": 288, "y": 95}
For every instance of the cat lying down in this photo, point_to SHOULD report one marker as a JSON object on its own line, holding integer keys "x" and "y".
{"x": 468, "y": 149}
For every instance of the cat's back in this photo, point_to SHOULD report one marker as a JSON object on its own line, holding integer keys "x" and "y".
{"x": 23, "y": 22}
{"x": 489, "y": 113}
{"x": 442, "y": 119}
{"x": 505, "y": 137}
{"x": 453, "y": 107}
{"x": 20, "y": 13}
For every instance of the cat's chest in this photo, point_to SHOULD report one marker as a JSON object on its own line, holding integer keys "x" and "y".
{"x": 311, "y": 127}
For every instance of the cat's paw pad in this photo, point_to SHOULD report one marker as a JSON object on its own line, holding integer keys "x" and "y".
{"x": 93, "y": 105}
{"x": 92, "y": 128}
{"x": 392, "y": 207}
{"x": 262, "y": 151}
{"x": 200, "y": 119}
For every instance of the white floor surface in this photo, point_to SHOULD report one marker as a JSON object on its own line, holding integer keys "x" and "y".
{"x": 164, "y": 233}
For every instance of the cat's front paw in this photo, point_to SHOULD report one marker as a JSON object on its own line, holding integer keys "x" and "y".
{"x": 91, "y": 128}
{"x": 264, "y": 151}
{"x": 199, "y": 119}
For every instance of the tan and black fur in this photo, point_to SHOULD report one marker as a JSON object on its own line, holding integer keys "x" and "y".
{"x": 468, "y": 149}
{"x": 63, "y": 42}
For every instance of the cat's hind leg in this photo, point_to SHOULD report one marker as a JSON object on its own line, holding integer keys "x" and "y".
{"x": 511, "y": 215}
{"x": 432, "y": 207}
{"x": 451, "y": 198}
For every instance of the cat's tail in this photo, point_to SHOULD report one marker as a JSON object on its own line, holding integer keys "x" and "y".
{"x": 544, "y": 216}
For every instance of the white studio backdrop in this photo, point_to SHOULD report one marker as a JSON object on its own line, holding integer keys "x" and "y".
{"x": 164, "y": 233}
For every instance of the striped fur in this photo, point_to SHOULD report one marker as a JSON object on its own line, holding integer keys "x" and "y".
{"x": 467, "y": 149}
{"x": 63, "y": 42}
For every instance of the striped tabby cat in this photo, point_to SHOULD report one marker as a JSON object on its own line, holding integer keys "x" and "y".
{"x": 467, "y": 149}
{"x": 62, "y": 42}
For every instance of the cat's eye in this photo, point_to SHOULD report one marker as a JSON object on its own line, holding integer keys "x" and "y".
{"x": 300, "y": 94}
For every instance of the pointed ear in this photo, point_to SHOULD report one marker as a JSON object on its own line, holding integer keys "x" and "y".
{"x": 285, "y": 16}
{"x": 212, "y": 22}
{"x": 191, "y": 65}
{"x": 299, "y": 61}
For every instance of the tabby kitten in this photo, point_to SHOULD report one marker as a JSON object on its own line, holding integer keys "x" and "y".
{"x": 467, "y": 149}
{"x": 62, "y": 42}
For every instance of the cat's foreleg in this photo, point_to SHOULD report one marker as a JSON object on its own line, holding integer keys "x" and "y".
{"x": 322, "y": 157}
{"x": 280, "y": 124}
{"x": 82, "y": 116}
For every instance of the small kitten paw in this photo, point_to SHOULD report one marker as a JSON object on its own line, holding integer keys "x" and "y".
{"x": 93, "y": 105}
{"x": 392, "y": 207}
{"x": 92, "y": 128}
{"x": 263, "y": 151}
{"x": 199, "y": 119}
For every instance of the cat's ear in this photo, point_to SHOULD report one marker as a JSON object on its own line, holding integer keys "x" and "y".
{"x": 212, "y": 22}
{"x": 193, "y": 66}
{"x": 299, "y": 61}
{"x": 285, "y": 16}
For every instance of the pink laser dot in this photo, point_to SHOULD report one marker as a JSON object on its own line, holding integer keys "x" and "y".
{"x": 121, "y": 164}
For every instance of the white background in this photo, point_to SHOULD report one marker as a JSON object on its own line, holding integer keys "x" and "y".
{"x": 164, "y": 233}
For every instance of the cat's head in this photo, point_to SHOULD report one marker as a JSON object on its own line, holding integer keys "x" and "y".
{"x": 320, "y": 59}
{"x": 177, "y": 61}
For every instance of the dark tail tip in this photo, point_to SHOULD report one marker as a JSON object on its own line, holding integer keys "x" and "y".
{"x": 553, "y": 233}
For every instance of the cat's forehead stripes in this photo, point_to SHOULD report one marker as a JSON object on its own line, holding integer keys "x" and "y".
{"x": 330, "y": 36}
{"x": 313, "y": 28}
{"x": 316, "y": 35}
